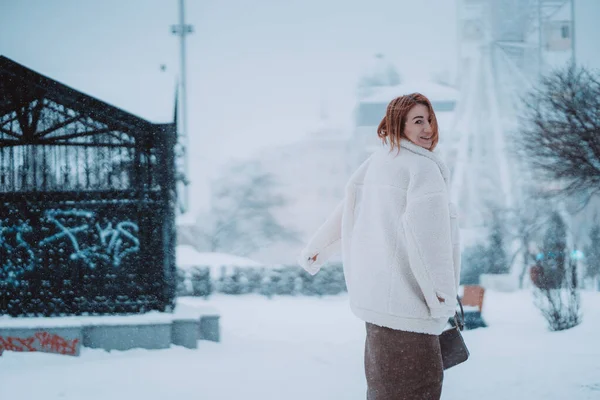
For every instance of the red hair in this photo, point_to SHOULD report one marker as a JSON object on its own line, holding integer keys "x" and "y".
{"x": 392, "y": 125}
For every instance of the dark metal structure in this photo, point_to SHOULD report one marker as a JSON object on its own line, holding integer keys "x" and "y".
{"x": 87, "y": 196}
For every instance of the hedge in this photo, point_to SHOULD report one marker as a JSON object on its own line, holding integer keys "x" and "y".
{"x": 269, "y": 281}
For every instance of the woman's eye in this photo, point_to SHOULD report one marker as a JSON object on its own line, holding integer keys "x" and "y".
{"x": 418, "y": 121}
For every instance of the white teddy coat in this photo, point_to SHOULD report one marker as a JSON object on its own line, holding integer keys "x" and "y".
{"x": 399, "y": 237}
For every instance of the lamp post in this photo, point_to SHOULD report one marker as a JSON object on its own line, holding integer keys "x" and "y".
{"x": 182, "y": 30}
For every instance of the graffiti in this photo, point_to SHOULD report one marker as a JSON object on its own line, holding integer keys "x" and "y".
{"x": 111, "y": 248}
{"x": 52, "y": 343}
{"x": 69, "y": 233}
{"x": 16, "y": 251}
{"x": 41, "y": 341}
{"x": 114, "y": 246}
{"x": 86, "y": 239}
{"x": 17, "y": 344}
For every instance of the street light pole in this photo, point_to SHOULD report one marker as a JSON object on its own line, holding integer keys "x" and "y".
{"x": 573, "y": 59}
{"x": 182, "y": 30}
{"x": 540, "y": 40}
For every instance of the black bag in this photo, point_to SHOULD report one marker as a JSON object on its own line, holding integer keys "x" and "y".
{"x": 454, "y": 349}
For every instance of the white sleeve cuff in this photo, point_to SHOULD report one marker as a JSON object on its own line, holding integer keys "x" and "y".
{"x": 306, "y": 262}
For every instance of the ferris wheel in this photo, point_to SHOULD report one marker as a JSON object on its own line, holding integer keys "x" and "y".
{"x": 505, "y": 46}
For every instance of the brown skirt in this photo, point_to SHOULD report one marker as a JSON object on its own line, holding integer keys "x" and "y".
{"x": 402, "y": 365}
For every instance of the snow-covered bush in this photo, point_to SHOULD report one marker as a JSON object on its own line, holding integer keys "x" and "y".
{"x": 288, "y": 280}
{"x": 232, "y": 284}
{"x": 182, "y": 287}
{"x": 200, "y": 282}
{"x": 329, "y": 281}
{"x": 561, "y": 306}
{"x": 268, "y": 284}
{"x": 553, "y": 258}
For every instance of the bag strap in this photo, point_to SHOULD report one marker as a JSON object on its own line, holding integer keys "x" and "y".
{"x": 459, "y": 320}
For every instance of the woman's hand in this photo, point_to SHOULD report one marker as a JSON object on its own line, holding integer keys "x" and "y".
{"x": 309, "y": 263}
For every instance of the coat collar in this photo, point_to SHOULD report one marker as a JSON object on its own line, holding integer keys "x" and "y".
{"x": 433, "y": 155}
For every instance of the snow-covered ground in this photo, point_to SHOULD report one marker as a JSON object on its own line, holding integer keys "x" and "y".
{"x": 312, "y": 349}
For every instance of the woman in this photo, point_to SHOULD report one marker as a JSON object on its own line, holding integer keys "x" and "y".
{"x": 398, "y": 234}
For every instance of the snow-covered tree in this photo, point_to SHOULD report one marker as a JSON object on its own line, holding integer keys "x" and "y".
{"x": 496, "y": 257}
{"x": 554, "y": 252}
{"x": 474, "y": 263}
{"x": 486, "y": 258}
{"x": 241, "y": 218}
{"x": 592, "y": 253}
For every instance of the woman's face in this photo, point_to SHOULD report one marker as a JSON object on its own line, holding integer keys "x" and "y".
{"x": 417, "y": 128}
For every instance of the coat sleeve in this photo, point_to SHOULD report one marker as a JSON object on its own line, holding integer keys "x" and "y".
{"x": 325, "y": 242}
{"x": 327, "y": 239}
{"x": 427, "y": 226}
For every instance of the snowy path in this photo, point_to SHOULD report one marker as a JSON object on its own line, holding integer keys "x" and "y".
{"x": 305, "y": 348}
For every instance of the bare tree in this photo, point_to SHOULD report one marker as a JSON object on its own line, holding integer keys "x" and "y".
{"x": 524, "y": 225}
{"x": 560, "y": 136}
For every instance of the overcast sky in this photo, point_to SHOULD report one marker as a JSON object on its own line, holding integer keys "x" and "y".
{"x": 258, "y": 71}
